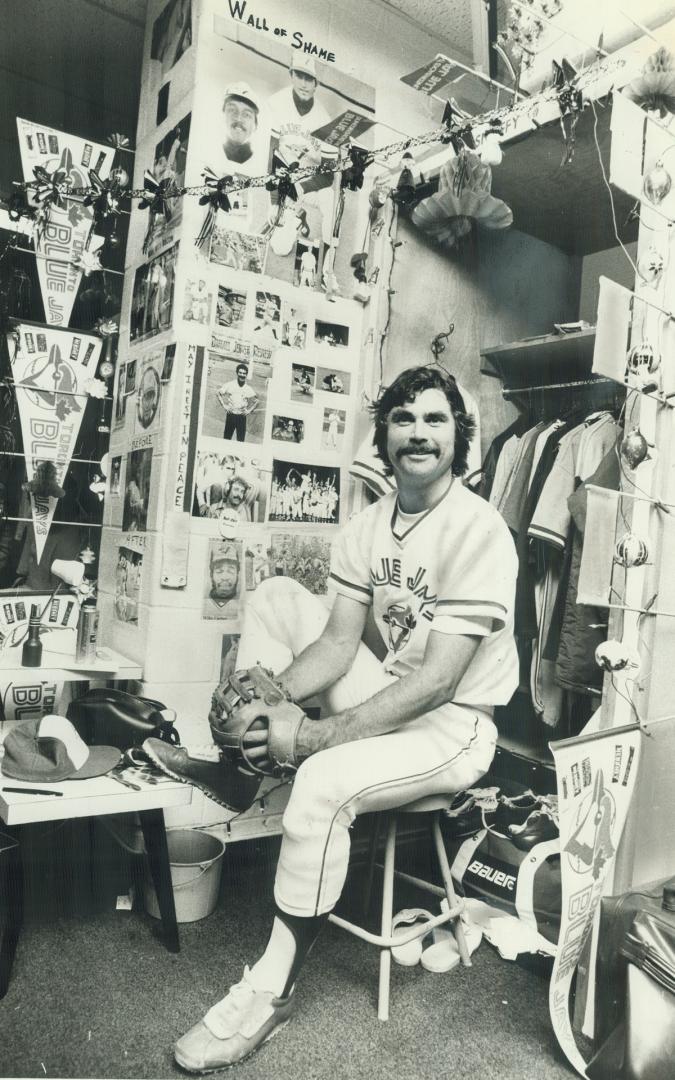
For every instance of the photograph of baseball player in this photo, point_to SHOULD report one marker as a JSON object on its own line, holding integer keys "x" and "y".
{"x": 293, "y": 325}
{"x": 167, "y": 365}
{"x": 115, "y": 474}
{"x": 128, "y": 574}
{"x": 288, "y": 429}
{"x": 437, "y": 567}
{"x": 304, "y": 493}
{"x": 333, "y": 429}
{"x": 229, "y": 482}
{"x": 244, "y": 146}
{"x": 304, "y": 558}
{"x": 238, "y": 250}
{"x": 329, "y": 333}
{"x": 267, "y": 318}
{"x": 306, "y": 265}
{"x": 228, "y": 655}
{"x": 169, "y": 164}
{"x": 332, "y": 380}
{"x": 137, "y": 490}
{"x": 230, "y": 307}
{"x": 148, "y": 399}
{"x": 235, "y": 400}
{"x": 120, "y": 398}
{"x": 303, "y": 377}
{"x": 130, "y": 381}
{"x": 197, "y": 301}
{"x": 172, "y": 33}
{"x": 258, "y": 562}
{"x": 223, "y": 580}
{"x": 152, "y": 296}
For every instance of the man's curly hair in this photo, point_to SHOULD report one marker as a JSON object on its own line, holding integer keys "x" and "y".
{"x": 405, "y": 388}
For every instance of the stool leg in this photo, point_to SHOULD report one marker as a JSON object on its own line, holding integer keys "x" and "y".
{"x": 372, "y": 856}
{"x": 387, "y": 919}
{"x": 449, "y": 888}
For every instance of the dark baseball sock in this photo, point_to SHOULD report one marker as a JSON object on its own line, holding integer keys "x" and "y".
{"x": 289, "y": 945}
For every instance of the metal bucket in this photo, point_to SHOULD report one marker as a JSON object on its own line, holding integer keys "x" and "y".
{"x": 196, "y": 864}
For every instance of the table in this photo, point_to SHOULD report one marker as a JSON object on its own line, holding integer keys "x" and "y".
{"x": 88, "y": 798}
{"x": 62, "y": 667}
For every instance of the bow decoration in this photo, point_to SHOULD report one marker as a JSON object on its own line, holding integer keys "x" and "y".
{"x": 359, "y": 160}
{"x": 104, "y": 196}
{"x": 157, "y": 199}
{"x": 570, "y": 103}
{"x": 216, "y": 198}
{"x": 88, "y": 262}
{"x": 51, "y": 189}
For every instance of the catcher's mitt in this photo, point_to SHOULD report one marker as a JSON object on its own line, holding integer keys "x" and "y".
{"x": 251, "y": 700}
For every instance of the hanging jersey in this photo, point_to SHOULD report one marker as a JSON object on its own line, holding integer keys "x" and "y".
{"x": 452, "y": 569}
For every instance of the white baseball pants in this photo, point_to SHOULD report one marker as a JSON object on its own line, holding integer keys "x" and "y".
{"x": 444, "y": 751}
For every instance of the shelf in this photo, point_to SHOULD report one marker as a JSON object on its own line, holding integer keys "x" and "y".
{"x": 549, "y": 358}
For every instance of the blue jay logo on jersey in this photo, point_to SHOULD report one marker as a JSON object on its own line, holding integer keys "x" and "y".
{"x": 401, "y": 623}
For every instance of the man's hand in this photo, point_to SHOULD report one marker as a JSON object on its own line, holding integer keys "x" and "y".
{"x": 263, "y": 737}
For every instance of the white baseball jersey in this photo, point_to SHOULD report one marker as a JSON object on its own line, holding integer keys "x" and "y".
{"x": 452, "y": 569}
{"x": 239, "y": 399}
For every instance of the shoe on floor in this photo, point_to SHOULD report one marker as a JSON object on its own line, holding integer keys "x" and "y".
{"x": 443, "y": 954}
{"x": 409, "y": 954}
{"x": 234, "y": 1028}
{"x": 222, "y": 782}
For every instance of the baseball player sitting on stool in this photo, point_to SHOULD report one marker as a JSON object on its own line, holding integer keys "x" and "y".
{"x": 437, "y": 565}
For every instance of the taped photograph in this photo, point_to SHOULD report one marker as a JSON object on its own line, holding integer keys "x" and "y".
{"x": 304, "y": 493}
{"x": 229, "y": 485}
{"x": 304, "y": 558}
{"x": 235, "y": 400}
{"x": 222, "y": 587}
{"x": 303, "y": 377}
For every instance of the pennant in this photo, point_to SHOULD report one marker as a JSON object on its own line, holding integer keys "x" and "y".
{"x": 50, "y": 368}
{"x": 595, "y": 776}
{"x": 67, "y": 228}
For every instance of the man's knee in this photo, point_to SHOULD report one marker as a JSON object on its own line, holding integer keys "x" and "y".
{"x": 315, "y": 799}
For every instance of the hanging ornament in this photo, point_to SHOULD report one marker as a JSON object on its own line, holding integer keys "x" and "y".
{"x": 104, "y": 196}
{"x": 96, "y": 388}
{"x": 88, "y": 262}
{"x": 377, "y": 197}
{"x": 87, "y": 556}
{"x": 490, "y": 150}
{"x": 635, "y": 448}
{"x": 352, "y": 176}
{"x": 217, "y": 199}
{"x": 119, "y": 176}
{"x": 570, "y": 103}
{"x": 631, "y": 550}
{"x": 106, "y": 369}
{"x": 447, "y": 217}
{"x": 651, "y": 265}
{"x": 654, "y": 89}
{"x": 616, "y": 656}
{"x": 642, "y": 366}
{"x": 657, "y": 183}
{"x": 97, "y": 486}
{"x": 404, "y": 192}
{"x": 119, "y": 141}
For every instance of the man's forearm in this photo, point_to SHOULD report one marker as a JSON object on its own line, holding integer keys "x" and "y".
{"x": 320, "y": 665}
{"x": 403, "y": 700}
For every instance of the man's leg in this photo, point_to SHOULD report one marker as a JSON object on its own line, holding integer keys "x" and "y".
{"x": 230, "y": 426}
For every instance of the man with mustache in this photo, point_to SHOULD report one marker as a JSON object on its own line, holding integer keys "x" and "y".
{"x": 240, "y": 112}
{"x": 436, "y": 563}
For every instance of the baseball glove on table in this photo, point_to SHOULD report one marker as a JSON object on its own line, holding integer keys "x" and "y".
{"x": 256, "y": 723}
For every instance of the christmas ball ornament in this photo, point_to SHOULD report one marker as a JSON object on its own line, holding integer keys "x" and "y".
{"x": 113, "y": 240}
{"x": 634, "y": 448}
{"x": 650, "y": 266}
{"x": 657, "y": 183}
{"x": 631, "y": 550}
{"x": 120, "y": 176}
{"x": 615, "y": 656}
{"x": 490, "y": 150}
{"x": 106, "y": 369}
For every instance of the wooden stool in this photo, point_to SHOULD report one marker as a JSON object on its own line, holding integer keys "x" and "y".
{"x": 432, "y": 805}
